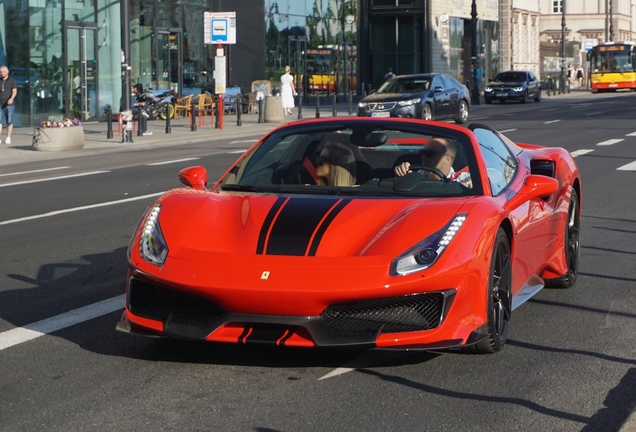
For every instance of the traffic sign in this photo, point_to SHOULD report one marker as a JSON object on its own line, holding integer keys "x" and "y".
{"x": 219, "y": 27}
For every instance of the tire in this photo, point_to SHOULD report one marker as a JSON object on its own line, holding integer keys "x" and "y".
{"x": 499, "y": 302}
{"x": 538, "y": 97}
{"x": 488, "y": 101}
{"x": 571, "y": 245}
{"x": 169, "y": 108}
{"x": 525, "y": 97}
{"x": 463, "y": 113}
{"x": 427, "y": 112}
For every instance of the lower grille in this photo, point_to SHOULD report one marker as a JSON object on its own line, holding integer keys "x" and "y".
{"x": 158, "y": 303}
{"x": 389, "y": 315}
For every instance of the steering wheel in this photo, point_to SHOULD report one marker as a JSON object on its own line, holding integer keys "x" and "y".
{"x": 433, "y": 170}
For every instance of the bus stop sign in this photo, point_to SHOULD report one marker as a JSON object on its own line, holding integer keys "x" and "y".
{"x": 219, "y": 27}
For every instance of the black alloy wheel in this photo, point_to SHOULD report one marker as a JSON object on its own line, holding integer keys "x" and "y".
{"x": 499, "y": 302}
{"x": 538, "y": 96}
{"x": 525, "y": 97}
{"x": 572, "y": 246}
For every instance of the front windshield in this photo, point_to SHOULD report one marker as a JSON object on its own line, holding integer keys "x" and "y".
{"x": 359, "y": 158}
{"x": 405, "y": 85}
{"x": 611, "y": 61}
{"x": 510, "y": 77}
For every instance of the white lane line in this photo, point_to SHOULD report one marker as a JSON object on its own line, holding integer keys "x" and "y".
{"x": 551, "y": 121}
{"x": 34, "y": 171}
{"x": 581, "y": 152}
{"x": 594, "y": 113}
{"x": 631, "y": 134}
{"x": 74, "y": 209}
{"x": 629, "y": 167}
{"x": 610, "y": 142}
{"x": 173, "y": 161}
{"x": 29, "y": 332}
{"x": 508, "y": 130}
{"x": 244, "y": 141}
{"x": 367, "y": 359}
{"x": 53, "y": 178}
{"x": 237, "y": 151}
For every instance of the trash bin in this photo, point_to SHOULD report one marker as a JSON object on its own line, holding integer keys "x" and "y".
{"x": 274, "y": 110}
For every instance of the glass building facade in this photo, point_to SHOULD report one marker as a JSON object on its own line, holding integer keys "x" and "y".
{"x": 66, "y": 55}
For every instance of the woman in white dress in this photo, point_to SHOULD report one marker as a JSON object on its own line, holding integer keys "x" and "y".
{"x": 287, "y": 90}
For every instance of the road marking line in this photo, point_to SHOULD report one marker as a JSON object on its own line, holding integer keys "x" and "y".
{"x": 34, "y": 171}
{"x": 173, "y": 161}
{"x": 508, "y": 130}
{"x": 53, "y": 178}
{"x": 244, "y": 141}
{"x": 74, "y": 209}
{"x": 551, "y": 121}
{"x": 610, "y": 142}
{"x": 32, "y": 331}
{"x": 629, "y": 167}
{"x": 581, "y": 152}
{"x": 631, "y": 134}
{"x": 594, "y": 113}
{"x": 237, "y": 151}
{"x": 367, "y": 359}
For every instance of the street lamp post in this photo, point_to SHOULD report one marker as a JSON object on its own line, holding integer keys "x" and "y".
{"x": 562, "y": 80}
{"x": 611, "y": 22}
{"x": 474, "y": 93}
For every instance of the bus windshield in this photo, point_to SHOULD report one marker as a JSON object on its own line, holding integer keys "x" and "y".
{"x": 614, "y": 58}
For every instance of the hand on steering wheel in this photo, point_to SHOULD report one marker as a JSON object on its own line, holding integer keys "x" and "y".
{"x": 433, "y": 170}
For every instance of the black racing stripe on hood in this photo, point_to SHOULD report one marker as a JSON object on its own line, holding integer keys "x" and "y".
{"x": 262, "y": 237}
{"x": 295, "y": 225}
{"x": 325, "y": 224}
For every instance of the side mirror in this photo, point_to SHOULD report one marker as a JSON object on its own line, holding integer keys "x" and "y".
{"x": 438, "y": 89}
{"x": 536, "y": 186}
{"x": 195, "y": 177}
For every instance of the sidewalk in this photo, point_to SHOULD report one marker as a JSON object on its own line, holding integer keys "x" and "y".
{"x": 20, "y": 150}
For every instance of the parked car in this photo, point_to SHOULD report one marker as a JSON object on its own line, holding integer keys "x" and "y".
{"x": 425, "y": 96}
{"x": 312, "y": 238}
{"x": 513, "y": 85}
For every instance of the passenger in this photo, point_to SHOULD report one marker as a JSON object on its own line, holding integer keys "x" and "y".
{"x": 438, "y": 153}
{"x": 336, "y": 165}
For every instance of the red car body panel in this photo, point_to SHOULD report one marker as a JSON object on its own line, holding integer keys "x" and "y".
{"x": 237, "y": 251}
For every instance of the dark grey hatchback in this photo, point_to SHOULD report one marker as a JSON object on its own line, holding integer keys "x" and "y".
{"x": 425, "y": 96}
{"x": 513, "y": 85}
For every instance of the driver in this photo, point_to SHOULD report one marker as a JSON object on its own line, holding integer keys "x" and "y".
{"x": 438, "y": 153}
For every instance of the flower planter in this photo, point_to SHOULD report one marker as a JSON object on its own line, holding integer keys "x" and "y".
{"x": 59, "y": 138}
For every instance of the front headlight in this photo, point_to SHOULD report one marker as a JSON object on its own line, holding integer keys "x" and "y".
{"x": 362, "y": 105}
{"x": 517, "y": 89}
{"x": 152, "y": 245}
{"x": 425, "y": 253}
{"x": 488, "y": 89}
{"x": 409, "y": 102}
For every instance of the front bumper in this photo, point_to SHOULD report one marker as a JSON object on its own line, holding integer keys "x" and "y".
{"x": 408, "y": 111}
{"x": 511, "y": 95}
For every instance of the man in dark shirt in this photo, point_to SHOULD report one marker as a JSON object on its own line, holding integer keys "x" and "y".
{"x": 8, "y": 91}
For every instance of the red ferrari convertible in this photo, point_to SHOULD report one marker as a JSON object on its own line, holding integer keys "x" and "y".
{"x": 358, "y": 232}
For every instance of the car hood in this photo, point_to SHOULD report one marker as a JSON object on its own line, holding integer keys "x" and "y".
{"x": 506, "y": 84}
{"x": 391, "y": 97}
{"x": 204, "y": 224}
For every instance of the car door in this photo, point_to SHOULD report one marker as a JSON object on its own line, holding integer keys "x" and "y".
{"x": 533, "y": 85}
{"x": 441, "y": 99}
{"x": 453, "y": 96}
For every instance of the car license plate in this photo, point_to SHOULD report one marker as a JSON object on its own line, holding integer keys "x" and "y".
{"x": 613, "y": 85}
{"x": 502, "y": 94}
{"x": 380, "y": 114}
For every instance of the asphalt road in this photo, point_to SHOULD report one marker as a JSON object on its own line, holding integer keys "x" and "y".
{"x": 569, "y": 364}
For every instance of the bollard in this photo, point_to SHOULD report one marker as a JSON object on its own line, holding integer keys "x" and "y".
{"x": 350, "y": 102}
{"x": 261, "y": 118}
{"x": 168, "y": 128}
{"x": 317, "y": 106}
{"x": 239, "y": 108}
{"x": 139, "y": 120}
{"x": 193, "y": 116}
{"x": 109, "y": 121}
{"x": 334, "y": 107}
{"x": 300, "y": 106}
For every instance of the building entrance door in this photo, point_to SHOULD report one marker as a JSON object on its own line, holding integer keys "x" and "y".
{"x": 80, "y": 82}
{"x": 168, "y": 62}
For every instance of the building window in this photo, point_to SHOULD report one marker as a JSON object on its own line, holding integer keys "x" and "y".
{"x": 557, "y": 6}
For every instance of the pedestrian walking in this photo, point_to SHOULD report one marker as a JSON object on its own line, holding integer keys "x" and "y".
{"x": 8, "y": 92}
{"x": 579, "y": 75}
{"x": 287, "y": 90}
